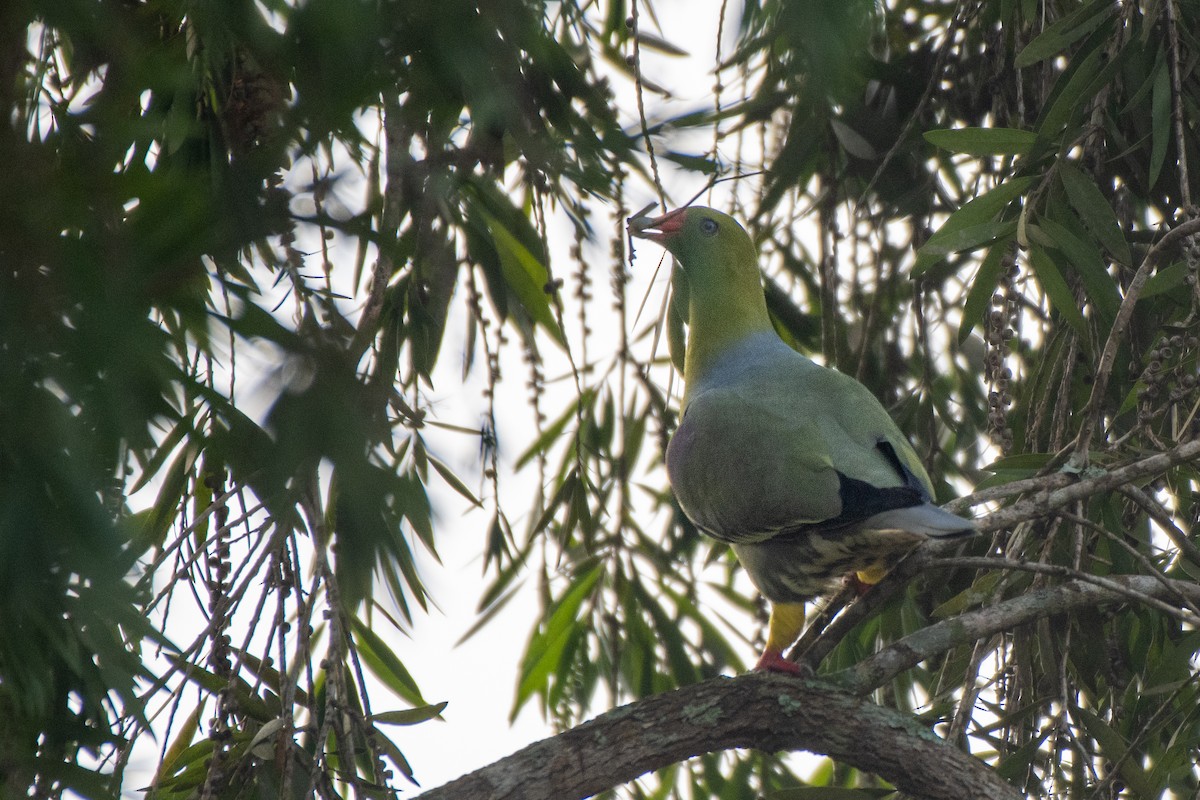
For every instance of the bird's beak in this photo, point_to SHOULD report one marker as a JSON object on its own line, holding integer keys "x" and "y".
{"x": 657, "y": 229}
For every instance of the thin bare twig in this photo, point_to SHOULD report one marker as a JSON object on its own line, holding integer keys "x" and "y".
{"x": 1177, "y": 117}
{"x": 1160, "y": 515}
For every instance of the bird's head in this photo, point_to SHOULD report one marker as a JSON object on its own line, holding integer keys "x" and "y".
{"x": 711, "y": 246}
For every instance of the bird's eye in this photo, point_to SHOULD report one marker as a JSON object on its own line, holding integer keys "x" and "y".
{"x": 708, "y": 226}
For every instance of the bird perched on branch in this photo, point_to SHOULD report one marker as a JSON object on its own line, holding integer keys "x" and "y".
{"x": 797, "y": 466}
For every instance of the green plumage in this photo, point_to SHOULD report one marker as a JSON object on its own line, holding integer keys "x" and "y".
{"x": 796, "y": 465}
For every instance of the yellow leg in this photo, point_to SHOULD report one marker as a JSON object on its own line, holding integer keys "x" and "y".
{"x": 787, "y": 620}
{"x": 873, "y": 574}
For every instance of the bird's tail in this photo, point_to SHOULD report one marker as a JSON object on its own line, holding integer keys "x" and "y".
{"x": 926, "y": 519}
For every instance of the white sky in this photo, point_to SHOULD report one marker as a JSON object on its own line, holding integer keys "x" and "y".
{"x": 479, "y": 677}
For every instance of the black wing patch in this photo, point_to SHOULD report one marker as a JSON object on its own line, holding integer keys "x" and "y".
{"x": 862, "y": 500}
{"x": 905, "y": 474}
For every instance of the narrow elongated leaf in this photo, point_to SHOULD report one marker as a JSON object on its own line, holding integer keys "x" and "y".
{"x": 1095, "y": 211}
{"x": 695, "y": 163}
{"x": 649, "y": 40}
{"x": 385, "y": 664}
{"x": 548, "y": 435}
{"x": 1071, "y": 28}
{"x": 525, "y": 275}
{"x": 983, "y": 141}
{"x": 410, "y": 716}
{"x": 1016, "y": 764}
{"x": 1160, "y": 120}
{"x": 546, "y": 646}
{"x": 1073, "y": 89}
{"x": 171, "y": 760}
{"x": 454, "y": 481}
{"x": 1088, "y": 264}
{"x": 1055, "y": 287}
{"x": 962, "y": 239}
{"x": 1116, "y": 750}
{"x": 1165, "y": 280}
{"x": 964, "y": 228}
{"x": 852, "y": 141}
{"x": 1021, "y": 461}
{"x": 979, "y": 296}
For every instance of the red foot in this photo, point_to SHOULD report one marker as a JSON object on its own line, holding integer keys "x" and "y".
{"x": 773, "y": 661}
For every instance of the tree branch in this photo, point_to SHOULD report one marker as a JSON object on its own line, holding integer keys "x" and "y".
{"x": 975, "y": 625}
{"x": 772, "y": 712}
{"x": 761, "y": 711}
{"x": 1056, "y": 491}
{"x": 1044, "y": 503}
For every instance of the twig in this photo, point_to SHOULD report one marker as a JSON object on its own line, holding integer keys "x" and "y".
{"x": 1044, "y": 503}
{"x": 1094, "y": 409}
{"x": 1066, "y": 488}
{"x": 1160, "y": 515}
{"x": 1185, "y": 190}
{"x": 992, "y": 493}
{"x": 975, "y": 625}
{"x": 397, "y": 150}
{"x": 1061, "y": 571}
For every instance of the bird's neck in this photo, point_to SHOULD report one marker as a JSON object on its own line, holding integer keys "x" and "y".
{"x": 717, "y": 323}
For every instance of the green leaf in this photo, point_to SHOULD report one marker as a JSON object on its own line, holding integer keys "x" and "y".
{"x": 1056, "y": 38}
{"x": 943, "y": 243}
{"x": 172, "y": 760}
{"x": 1021, "y": 461}
{"x": 251, "y": 701}
{"x": 652, "y": 42}
{"x": 1095, "y": 211}
{"x": 1015, "y": 765}
{"x": 979, "y": 591}
{"x": 696, "y": 163}
{"x": 384, "y": 664}
{"x": 525, "y": 275}
{"x": 410, "y": 716}
{"x": 965, "y": 228}
{"x": 1087, "y": 261}
{"x": 852, "y": 141}
{"x": 546, "y": 646}
{"x": 1160, "y": 120}
{"x": 1115, "y": 749}
{"x": 454, "y": 481}
{"x": 1090, "y": 70}
{"x": 548, "y": 435}
{"x": 1165, "y": 280}
{"x": 979, "y": 296}
{"x": 983, "y": 141}
{"x": 1056, "y": 289}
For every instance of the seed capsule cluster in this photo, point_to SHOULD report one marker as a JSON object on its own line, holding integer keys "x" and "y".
{"x": 1170, "y": 384}
{"x": 1169, "y": 376}
{"x": 999, "y": 332}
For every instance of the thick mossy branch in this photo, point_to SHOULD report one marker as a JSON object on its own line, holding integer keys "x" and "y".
{"x": 774, "y": 713}
{"x": 761, "y": 711}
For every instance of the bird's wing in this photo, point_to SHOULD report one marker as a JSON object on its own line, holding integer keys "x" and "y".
{"x": 790, "y": 446}
{"x": 735, "y": 465}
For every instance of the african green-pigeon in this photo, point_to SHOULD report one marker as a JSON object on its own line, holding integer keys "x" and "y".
{"x": 797, "y": 466}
